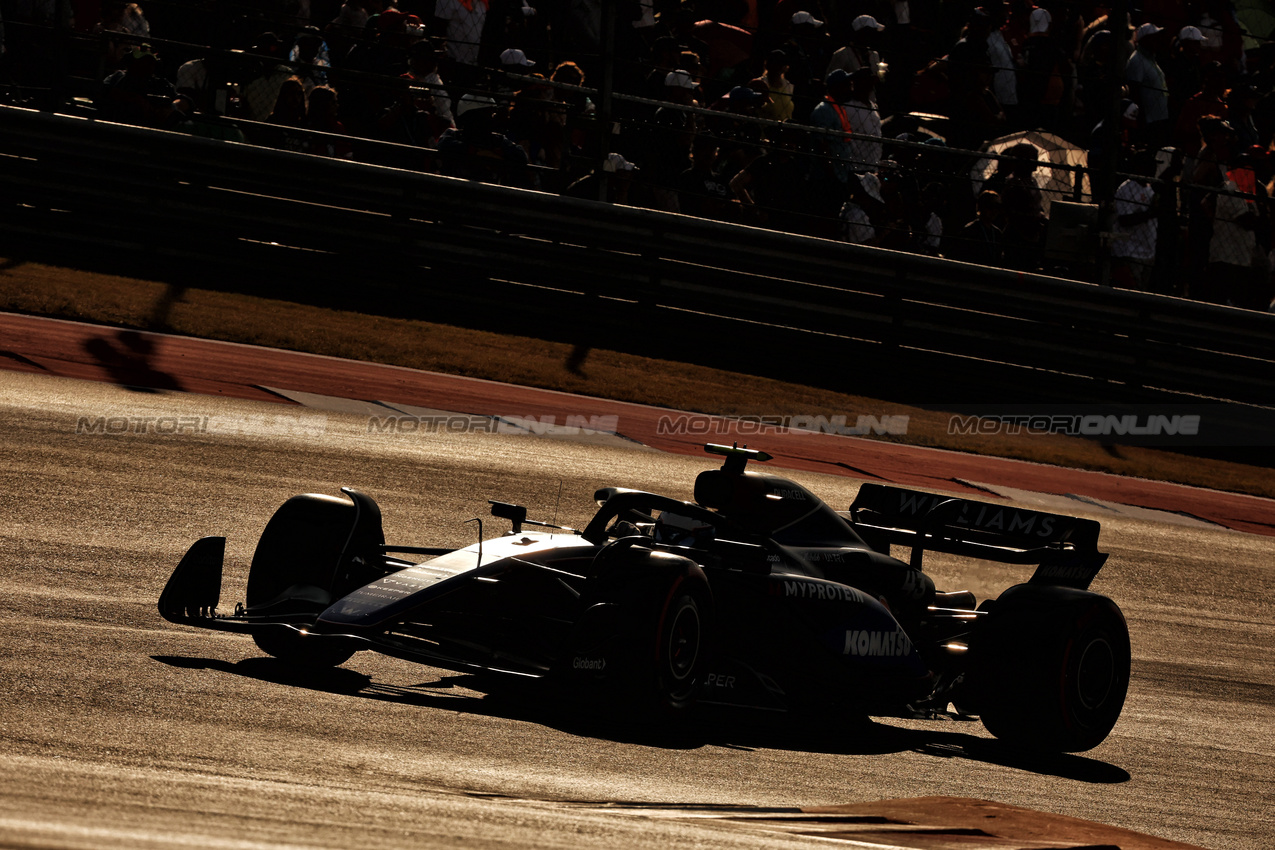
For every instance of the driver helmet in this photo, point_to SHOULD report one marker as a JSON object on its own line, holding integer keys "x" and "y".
{"x": 677, "y": 530}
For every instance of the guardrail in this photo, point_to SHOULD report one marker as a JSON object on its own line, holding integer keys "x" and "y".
{"x": 815, "y": 311}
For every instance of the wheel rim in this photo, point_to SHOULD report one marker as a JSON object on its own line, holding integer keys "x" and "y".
{"x": 1095, "y": 674}
{"x": 683, "y": 642}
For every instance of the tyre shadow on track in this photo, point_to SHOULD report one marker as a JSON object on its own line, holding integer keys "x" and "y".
{"x": 727, "y": 728}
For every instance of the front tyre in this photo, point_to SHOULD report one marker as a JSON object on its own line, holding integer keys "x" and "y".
{"x": 306, "y": 651}
{"x": 642, "y": 644}
{"x": 680, "y": 651}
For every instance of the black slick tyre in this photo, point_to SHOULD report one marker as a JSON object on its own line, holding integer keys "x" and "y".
{"x": 679, "y": 642}
{"x": 1051, "y": 670}
{"x": 307, "y": 651}
{"x": 645, "y": 653}
{"x": 293, "y": 572}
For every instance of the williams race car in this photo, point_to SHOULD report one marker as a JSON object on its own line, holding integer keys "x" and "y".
{"x": 757, "y": 595}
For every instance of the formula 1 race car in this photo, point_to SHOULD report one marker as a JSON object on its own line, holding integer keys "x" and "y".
{"x": 757, "y": 595}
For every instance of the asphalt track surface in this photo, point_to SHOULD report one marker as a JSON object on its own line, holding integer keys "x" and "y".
{"x": 120, "y": 730}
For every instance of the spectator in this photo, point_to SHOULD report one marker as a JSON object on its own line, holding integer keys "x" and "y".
{"x": 388, "y": 79}
{"x": 477, "y": 150}
{"x": 193, "y": 79}
{"x": 865, "y": 123}
{"x": 902, "y": 190}
{"x": 1223, "y": 38}
{"x": 190, "y": 116}
{"x": 1233, "y": 246}
{"x": 665, "y": 53}
{"x": 980, "y": 240}
{"x": 1041, "y": 85}
{"x": 861, "y": 51}
{"x": 1133, "y": 247}
{"x": 974, "y": 113}
{"x": 681, "y": 27}
{"x": 518, "y": 23}
{"x": 349, "y": 23}
{"x": 321, "y": 116}
{"x": 1240, "y": 103}
{"x": 422, "y": 70}
{"x": 1184, "y": 68}
{"x": 691, "y": 62}
{"x": 837, "y": 160}
{"x": 680, "y": 88}
{"x": 537, "y": 122}
{"x": 663, "y": 154}
{"x": 1001, "y": 59}
{"x": 702, "y": 191}
{"x": 771, "y": 187}
{"x": 740, "y": 141}
{"x": 774, "y": 83}
{"x": 413, "y": 120}
{"x": 462, "y": 21}
{"x": 264, "y": 78}
{"x": 290, "y": 105}
{"x": 1148, "y": 87}
{"x": 807, "y": 49}
{"x": 616, "y": 173}
{"x": 579, "y": 107}
{"x": 136, "y": 94}
{"x": 1017, "y": 26}
{"x": 1098, "y": 86}
{"x": 1106, "y": 146}
{"x": 125, "y": 18}
{"x": 1242, "y": 221}
{"x": 309, "y": 57}
{"x": 1204, "y": 180}
{"x": 1022, "y": 206}
{"x": 1209, "y": 100}
{"x": 864, "y": 194}
{"x": 383, "y": 51}
{"x": 929, "y": 239}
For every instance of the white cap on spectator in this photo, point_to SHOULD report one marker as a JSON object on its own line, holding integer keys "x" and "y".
{"x": 806, "y": 18}
{"x": 872, "y": 185}
{"x": 1039, "y": 21}
{"x": 514, "y": 56}
{"x": 615, "y": 162}
{"x": 474, "y": 101}
{"x": 1147, "y": 30}
{"x": 864, "y": 22}
{"x": 679, "y": 78}
{"x": 1131, "y": 111}
{"x": 1190, "y": 33}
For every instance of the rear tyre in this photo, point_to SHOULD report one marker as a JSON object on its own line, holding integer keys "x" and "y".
{"x": 1051, "y": 669}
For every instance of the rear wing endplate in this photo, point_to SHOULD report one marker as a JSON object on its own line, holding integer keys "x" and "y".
{"x": 1064, "y": 548}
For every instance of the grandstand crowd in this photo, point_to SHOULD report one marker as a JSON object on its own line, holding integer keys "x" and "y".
{"x": 863, "y": 120}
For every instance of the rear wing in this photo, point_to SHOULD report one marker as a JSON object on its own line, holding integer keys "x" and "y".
{"x": 1064, "y": 548}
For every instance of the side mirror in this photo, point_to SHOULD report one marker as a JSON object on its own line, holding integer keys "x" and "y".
{"x": 516, "y": 514}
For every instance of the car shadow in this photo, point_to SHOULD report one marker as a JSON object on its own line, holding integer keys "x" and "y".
{"x": 738, "y": 729}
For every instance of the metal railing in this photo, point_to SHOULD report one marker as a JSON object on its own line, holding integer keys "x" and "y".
{"x": 818, "y": 310}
